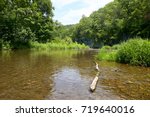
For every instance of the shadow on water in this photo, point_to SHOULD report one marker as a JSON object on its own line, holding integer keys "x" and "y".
{"x": 68, "y": 74}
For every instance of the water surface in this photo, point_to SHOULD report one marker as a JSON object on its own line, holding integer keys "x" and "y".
{"x": 68, "y": 74}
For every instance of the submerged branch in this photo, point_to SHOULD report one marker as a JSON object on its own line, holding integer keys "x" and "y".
{"x": 94, "y": 83}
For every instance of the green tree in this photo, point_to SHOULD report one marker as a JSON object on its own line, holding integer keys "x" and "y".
{"x": 114, "y": 23}
{"x": 22, "y": 21}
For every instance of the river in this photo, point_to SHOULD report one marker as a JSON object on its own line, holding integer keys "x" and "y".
{"x": 67, "y": 74}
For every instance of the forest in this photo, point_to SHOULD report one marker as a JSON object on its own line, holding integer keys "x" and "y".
{"x": 26, "y": 21}
{"x": 116, "y": 22}
{"x": 23, "y": 21}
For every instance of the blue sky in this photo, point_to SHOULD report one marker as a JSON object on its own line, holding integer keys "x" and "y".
{"x": 71, "y": 11}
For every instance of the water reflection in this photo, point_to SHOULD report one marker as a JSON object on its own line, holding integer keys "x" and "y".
{"x": 67, "y": 74}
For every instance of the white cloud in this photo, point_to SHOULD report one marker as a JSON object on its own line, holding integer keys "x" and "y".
{"x": 73, "y": 16}
{"x": 62, "y": 3}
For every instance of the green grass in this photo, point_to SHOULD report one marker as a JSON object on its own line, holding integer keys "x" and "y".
{"x": 59, "y": 45}
{"x": 135, "y": 52}
{"x": 107, "y": 53}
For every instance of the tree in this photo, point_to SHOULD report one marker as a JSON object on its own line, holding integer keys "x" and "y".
{"x": 22, "y": 21}
{"x": 114, "y": 23}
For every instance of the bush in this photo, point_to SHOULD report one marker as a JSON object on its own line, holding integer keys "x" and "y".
{"x": 135, "y": 52}
{"x": 107, "y": 53}
{"x": 58, "y": 44}
{"x": 1, "y": 44}
{"x": 6, "y": 45}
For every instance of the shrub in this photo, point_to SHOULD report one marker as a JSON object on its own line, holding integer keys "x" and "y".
{"x": 135, "y": 52}
{"x": 107, "y": 53}
{"x": 58, "y": 44}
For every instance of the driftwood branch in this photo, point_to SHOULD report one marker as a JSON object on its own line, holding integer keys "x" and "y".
{"x": 94, "y": 83}
{"x": 96, "y": 66}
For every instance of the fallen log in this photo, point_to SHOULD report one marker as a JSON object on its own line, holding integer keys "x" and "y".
{"x": 96, "y": 66}
{"x": 94, "y": 83}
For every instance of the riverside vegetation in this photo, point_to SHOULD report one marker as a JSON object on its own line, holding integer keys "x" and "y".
{"x": 58, "y": 44}
{"x": 56, "y": 74}
{"x": 30, "y": 24}
{"x": 134, "y": 51}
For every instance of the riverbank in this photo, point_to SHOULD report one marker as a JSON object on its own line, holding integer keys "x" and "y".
{"x": 134, "y": 51}
{"x": 55, "y": 44}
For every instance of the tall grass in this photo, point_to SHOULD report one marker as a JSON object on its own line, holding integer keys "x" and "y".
{"x": 54, "y": 45}
{"x": 107, "y": 53}
{"x": 57, "y": 43}
{"x": 135, "y": 51}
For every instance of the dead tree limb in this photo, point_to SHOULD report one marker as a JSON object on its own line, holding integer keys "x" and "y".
{"x": 96, "y": 66}
{"x": 94, "y": 83}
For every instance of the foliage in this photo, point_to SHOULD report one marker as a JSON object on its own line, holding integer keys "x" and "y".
{"x": 83, "y": 31}
{"x": 22, "y": 21}
{"x": 58, "y": 44}
{"x": 61, "y": 31}
{"x": 25, "y": 21}
{"x": 135, "y": 51}
{"x": 107, "y": 53}
{"x": 116, "y": 22}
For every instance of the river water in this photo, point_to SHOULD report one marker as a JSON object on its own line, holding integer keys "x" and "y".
{"x": 67, "y": 74}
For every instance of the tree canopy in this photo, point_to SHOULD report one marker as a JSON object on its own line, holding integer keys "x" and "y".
{"x": 22, "y": 21}
{"x": 114, "y": 23}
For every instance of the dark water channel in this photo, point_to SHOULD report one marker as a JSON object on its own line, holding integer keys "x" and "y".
{"x": 67, "y": 75}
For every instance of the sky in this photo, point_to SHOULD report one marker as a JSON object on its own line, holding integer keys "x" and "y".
{"x": 71, "y": 11}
